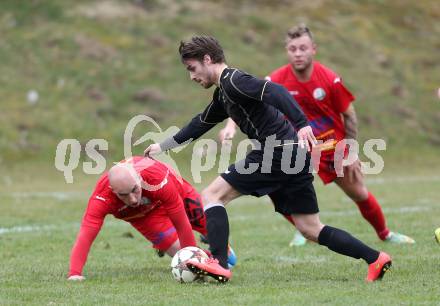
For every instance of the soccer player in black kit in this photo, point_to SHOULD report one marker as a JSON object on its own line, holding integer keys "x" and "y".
{"x": 259, "y": 108}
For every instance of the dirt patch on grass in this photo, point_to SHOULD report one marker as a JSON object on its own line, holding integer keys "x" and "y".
{"x": 91, "y": 48}
{"x": 108, "y": 10}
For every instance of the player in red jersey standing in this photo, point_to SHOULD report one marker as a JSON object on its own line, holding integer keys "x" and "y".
{"x": 150, "y": 196}
{"x": 327, "y": 103}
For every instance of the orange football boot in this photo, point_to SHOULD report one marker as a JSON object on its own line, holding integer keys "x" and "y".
{"x": 377, "y": 269}
{"x": 210, "y": 267}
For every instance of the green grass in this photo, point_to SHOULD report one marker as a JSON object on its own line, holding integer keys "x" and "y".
{"x": 124, "y": 270}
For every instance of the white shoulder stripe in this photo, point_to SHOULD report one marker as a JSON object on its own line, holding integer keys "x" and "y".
{"x": 262, "y": 92}
{"x": 164, "y": 182}
{"x": 236, "y": 88}
{"x": 159, "y": 186}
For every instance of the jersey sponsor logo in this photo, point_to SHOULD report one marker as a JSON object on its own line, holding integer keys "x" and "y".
{"x": 100, "y": 198}
{"x": 149, "y": 187}
{"x": 319, "y": 94}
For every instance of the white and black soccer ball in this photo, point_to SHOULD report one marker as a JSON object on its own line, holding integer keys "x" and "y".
{"x": 178, "y": 264}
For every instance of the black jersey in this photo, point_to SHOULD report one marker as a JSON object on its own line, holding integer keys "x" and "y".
{"x": 258, "y": 107}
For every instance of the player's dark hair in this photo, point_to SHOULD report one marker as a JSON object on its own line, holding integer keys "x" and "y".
{"x": 199, "y": 46}
{"x": 298, "y": 31}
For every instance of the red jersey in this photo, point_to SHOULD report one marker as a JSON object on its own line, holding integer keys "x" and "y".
{"x": 162, "y": 189}
{"x": 166, "y": 189}
{"x": 323, "y": 98}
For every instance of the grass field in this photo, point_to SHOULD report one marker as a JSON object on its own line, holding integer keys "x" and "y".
{"x": 97, "y": 63}
{"x": 120, "y": 270}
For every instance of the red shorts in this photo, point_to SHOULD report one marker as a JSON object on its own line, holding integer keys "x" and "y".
{"x": 159, "y": 230}
{"x": 327, "y": 168}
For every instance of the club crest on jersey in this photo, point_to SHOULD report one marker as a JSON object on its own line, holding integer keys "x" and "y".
{"x": 319, "y": 94}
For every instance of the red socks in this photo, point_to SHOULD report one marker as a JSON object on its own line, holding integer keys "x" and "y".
{"x": 372, "y": 212}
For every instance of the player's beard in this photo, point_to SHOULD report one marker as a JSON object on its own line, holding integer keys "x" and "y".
{"x": 209, "y": 81}
{"x": 303, "y": 67}
{"x": 207, "y": 85}
{"x": 205, "y": 82}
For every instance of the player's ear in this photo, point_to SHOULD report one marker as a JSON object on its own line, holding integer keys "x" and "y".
{"x": 207, "y": 59}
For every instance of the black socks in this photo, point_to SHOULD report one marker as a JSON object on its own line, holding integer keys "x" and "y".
{"x": 217, "y": 224}
{"x": 343, "y": 243}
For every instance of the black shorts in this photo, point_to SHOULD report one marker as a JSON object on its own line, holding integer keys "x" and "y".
{"x": 290, "y": 193}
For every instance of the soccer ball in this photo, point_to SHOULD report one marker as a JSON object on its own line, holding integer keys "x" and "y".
{"x": 178, "y": 264}
{"x": 437, "y": 235}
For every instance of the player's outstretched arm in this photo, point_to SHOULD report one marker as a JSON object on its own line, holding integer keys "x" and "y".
{"x": 183, "y": 228}
{"x": 80, "y": 251}
{"x": 90, "y": 227}
{"x": 306, "y": 138}
{"x": 277, "y": 96}
{"x": 76, "y": 278}
{"x": 152, "y": 149}
{"x": 175, "y": 208}
{"x": 247, "y": 86}
{"x": 199, "y": 125}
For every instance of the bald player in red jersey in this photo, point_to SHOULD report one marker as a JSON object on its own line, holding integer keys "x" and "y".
{"x": 150, "y": 196}
{"x": 327, "y": 104}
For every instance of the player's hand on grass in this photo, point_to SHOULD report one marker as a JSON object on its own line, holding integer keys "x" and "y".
{"x": 76, "y": 278}
{"x": 306, "y": 139}
{"x": 152, "y": 149}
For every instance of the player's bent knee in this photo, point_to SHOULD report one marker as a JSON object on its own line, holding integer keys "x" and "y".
{"x": 309, "y": 226}
{"x": 308, "y": 235}
{"x": 210, "y": 197}
{"x": 311, "y": 233}
{"x": 217, "y": 194}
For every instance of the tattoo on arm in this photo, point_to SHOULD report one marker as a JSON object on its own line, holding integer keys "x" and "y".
{"x": 350, "y": 123}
